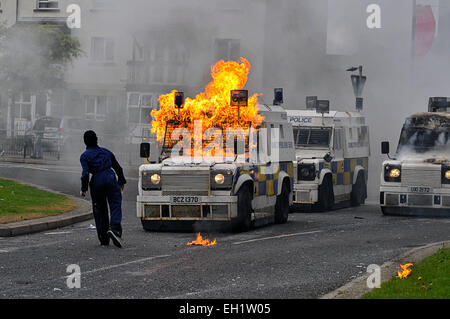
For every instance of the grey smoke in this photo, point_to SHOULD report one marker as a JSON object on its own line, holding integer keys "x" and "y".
{"x": 286, "y": 43}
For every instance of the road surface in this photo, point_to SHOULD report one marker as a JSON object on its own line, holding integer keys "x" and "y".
{"x": 309, "y": 256}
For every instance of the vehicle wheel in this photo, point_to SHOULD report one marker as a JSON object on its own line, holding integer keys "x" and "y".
{"x": 282, "y": 205}
{"x": 326, "y": 195}
{"x": 243, "y": 221}
{"x": 359, "y": 191}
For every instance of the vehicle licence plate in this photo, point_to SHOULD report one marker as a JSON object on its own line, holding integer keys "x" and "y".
{"x": 420, "y": 189}
{"x": 185, "y": 200}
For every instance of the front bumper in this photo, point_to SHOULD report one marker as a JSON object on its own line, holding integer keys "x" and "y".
{"x": 305, "y": 193}
{"x": 206, "y": 208}
{"x": 401, "y": 199}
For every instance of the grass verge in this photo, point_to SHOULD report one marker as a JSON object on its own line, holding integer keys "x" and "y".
{"x": 429, "y": 279}
{"x": 21, "y": 202}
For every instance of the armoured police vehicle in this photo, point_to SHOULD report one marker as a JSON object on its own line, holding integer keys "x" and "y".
{"x": 332, "y": 151}
{"x": 416, "y": 180}
{"x": 251, "y": 188}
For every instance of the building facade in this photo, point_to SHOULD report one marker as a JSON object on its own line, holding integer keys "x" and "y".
{"x": 135, "y": 52}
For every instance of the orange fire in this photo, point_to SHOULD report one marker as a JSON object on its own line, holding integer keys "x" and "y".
{"x": 405, "y": 272}
{"x": 212, "y": 107}
{"x": 202, "y": 242}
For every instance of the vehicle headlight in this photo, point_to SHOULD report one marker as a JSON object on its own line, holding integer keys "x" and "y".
{"x": 219, "y": 178}
{"x": 306, "y": 172}
{"x": 155, "y": 178}
{"x": 150, "y": 180}
{"x": 222, "y": 179}
{"x": 392, "y": 173}
{"x": 445, "y": 175}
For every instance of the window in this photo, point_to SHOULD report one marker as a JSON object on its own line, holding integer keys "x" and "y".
{"x": 158, "y": 70}
{"x": 96, "y": 107}
{"x": 363, "y": 135}
{"x": 140, "y": 107}
{"x": 173, "y": 67}
{"x": 337, "y": 140}
{"x": 47, "y": 4}
{"x": 22, "y": 107}
{"x": 227, "y": 49}
{"x": 314, "y": 137}
{"x": 102, "y": 49}
{"x": 158, "y": 64}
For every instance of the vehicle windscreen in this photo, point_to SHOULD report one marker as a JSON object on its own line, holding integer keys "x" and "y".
{"x": 312, "y": 136}
{"x": 41, "y": 124}
{"x": 424, "y": 139}
{"x": 239, "y": 144}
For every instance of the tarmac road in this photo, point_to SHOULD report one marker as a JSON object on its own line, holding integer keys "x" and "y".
{"x": 309, "y": 256}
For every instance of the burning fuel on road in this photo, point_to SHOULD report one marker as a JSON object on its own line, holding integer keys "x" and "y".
{"x": 199, "y": 241}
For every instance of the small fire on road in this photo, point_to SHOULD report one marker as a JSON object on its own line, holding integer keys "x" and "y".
{"x": 202, "y": 242}
{"x": 405, "y": 272}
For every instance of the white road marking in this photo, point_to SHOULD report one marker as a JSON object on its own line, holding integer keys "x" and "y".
{"x": 14, "y": 248}
{"x": 4, "y": 251}
{"x": 38, "y": 168}
{"x": 58, "y": 233}
{"x": 121, "y": 265}
{"x": 276, "y": 237}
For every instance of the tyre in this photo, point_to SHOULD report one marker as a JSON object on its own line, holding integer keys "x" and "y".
{"x": 359, "y": 191}
{"x": 282, "y": 205}
{"x": 243, "y": 221}
{"x": 326, "y": 195}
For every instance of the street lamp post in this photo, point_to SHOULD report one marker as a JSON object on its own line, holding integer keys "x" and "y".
{"x": 358, "y": 82}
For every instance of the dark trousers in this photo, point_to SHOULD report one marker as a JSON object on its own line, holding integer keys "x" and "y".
{"x": 105, "y": 191}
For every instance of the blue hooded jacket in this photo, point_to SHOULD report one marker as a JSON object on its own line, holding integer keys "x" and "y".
{"x": 97, "y": 161}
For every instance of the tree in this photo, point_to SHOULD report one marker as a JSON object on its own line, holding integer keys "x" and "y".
{"x": 34, "y": 57}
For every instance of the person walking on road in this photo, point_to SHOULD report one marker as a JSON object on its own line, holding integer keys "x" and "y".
{"x": 105, "y": 189}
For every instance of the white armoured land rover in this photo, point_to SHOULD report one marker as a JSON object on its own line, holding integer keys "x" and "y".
{"x": 332, "y": 152}
{"x": 240, "y": 192}
{"x": 416, "y": 181}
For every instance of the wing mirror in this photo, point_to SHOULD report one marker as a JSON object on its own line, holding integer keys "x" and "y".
{"x": 145, "y": 150}
{"x": 385, "y": 148}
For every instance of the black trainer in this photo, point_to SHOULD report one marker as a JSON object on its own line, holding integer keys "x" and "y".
{"x": 117, "y": 241}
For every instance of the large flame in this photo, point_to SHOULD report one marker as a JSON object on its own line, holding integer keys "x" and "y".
{"x": 212, "y": 107}
{"x": 202, "y": 242}
{"x": 405, "y": 271}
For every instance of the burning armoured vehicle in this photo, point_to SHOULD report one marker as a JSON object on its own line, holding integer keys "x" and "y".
{"x": 416, "y": 181}
{"x": 224, "y": 161}
{"x": 332, "y": 151}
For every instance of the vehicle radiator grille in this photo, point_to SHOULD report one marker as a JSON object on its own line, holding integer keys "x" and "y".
{"x": 189, "y": 181}
{"x": 419, "y": 177}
